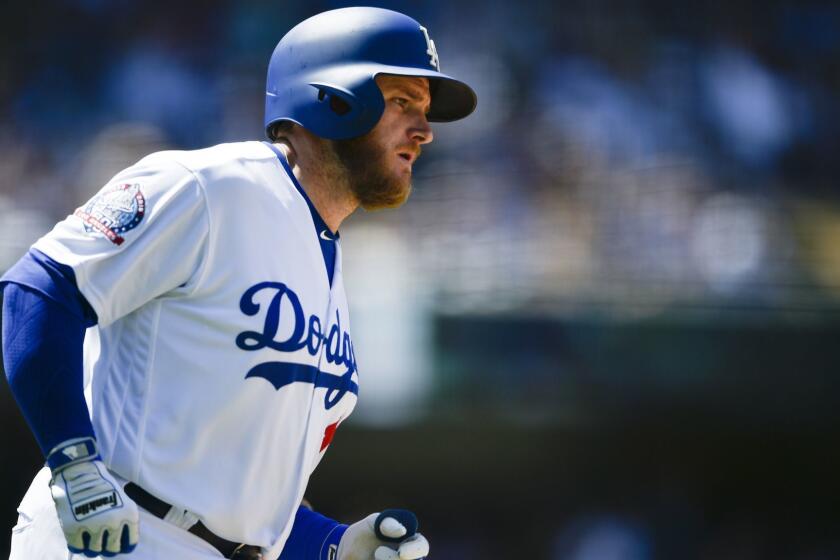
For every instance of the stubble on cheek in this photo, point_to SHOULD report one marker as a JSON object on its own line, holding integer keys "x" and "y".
{"x": 370, "y": 173}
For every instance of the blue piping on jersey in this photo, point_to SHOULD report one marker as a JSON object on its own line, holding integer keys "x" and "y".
{"x": 326, "y": 237}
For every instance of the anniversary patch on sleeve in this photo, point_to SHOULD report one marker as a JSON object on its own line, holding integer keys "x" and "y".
{"x": 114, "y": 211}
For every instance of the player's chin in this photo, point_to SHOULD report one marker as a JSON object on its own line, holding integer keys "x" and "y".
{"x": 393, "y": 197}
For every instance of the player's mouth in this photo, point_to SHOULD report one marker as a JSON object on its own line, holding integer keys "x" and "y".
{"x": 408, "y": 156}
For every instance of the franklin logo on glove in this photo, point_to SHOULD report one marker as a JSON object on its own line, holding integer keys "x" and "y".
{"x": 83, "y": 511}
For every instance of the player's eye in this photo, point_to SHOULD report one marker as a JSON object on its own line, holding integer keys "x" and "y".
{"x": 401, "y": 101}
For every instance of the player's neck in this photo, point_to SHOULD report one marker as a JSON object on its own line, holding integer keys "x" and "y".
{"x": 328, "y": 192}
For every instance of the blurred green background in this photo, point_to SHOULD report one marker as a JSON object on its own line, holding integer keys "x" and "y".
{"x": 607, "y": 324}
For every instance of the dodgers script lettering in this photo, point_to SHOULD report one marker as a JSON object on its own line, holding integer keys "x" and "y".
{"x": 305, "y": 333}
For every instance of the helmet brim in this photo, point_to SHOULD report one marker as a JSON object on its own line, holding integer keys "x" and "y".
{"x": 451, "y": 99}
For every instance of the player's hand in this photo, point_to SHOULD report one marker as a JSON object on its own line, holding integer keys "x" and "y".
{"x": 97, "y": 518}
{"x": 390, "y": 535}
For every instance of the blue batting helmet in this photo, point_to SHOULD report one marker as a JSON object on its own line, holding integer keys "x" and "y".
{"x": 322, "y": 72}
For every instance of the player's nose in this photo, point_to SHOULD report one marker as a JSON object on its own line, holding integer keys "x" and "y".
{"x": 421, "y": 130}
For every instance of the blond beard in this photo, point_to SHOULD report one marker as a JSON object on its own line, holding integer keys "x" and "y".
{"x": 364, "y": 172}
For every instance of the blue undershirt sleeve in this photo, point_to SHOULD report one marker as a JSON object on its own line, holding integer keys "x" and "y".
{"x": 53, "y": 280}
{"x": 311, "y": 536}
{"x": 44, "y": 322}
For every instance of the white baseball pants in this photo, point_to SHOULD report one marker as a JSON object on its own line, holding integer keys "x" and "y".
{"x": 38, "y": 535}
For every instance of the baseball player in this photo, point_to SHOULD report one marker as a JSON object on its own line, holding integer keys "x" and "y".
{"x": 180, "y": 346}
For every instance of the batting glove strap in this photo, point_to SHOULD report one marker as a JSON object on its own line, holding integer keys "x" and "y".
{"x": 71, "y": 452}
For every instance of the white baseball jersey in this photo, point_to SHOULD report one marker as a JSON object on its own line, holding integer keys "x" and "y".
{"x": 222, "y": 362}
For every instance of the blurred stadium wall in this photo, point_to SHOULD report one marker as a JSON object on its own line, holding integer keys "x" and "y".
{"x": 607, "y": 324}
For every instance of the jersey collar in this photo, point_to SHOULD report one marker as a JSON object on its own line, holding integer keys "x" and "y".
{"x": 323, "y": 230}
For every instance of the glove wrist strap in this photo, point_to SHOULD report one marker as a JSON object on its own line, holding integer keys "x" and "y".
{"x": 71, "y": 452}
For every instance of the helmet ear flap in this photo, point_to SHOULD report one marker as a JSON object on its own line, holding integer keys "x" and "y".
{"x": 340, "y": 102}
{"x": 331, "y": 108}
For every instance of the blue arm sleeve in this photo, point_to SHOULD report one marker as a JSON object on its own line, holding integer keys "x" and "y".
{"x": 44, "y": 322}
{"x": 311, "y": 536}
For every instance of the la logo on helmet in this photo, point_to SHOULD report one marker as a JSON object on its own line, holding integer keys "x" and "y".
{"x": 431, "y": 50}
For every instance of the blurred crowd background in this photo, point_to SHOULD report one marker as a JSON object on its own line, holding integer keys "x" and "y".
{"x": 607, "y": 324}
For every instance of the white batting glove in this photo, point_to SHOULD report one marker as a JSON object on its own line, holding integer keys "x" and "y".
{"x": 97, "y": 518}
{"x": 390, "y": 535}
